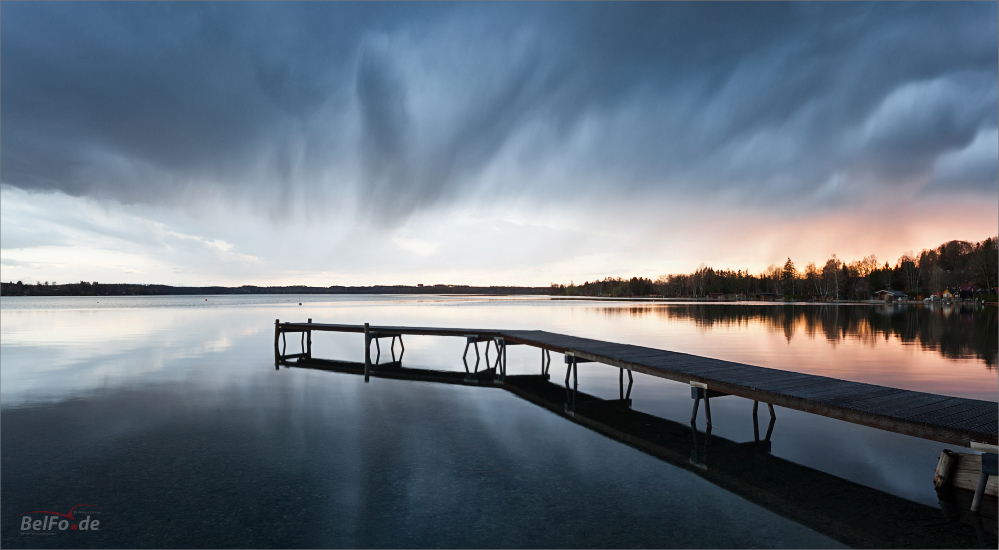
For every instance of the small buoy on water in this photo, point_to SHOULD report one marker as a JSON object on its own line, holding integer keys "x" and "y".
{"x": 206, "y": 299}
{"x": 300, "y": 303}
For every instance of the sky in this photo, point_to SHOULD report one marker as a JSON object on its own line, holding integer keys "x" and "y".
{"x": 487, "y": 144}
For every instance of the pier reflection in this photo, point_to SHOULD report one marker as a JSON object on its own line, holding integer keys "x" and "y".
{"x": 848, "y": 512}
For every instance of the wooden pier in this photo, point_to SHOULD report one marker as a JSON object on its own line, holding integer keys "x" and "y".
{"x": 951, "y": 420}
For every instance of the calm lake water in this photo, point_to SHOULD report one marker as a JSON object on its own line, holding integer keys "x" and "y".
{"x": 168, "y": 413}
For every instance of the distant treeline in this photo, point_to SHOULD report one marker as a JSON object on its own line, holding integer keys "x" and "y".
{"x": 954, "y": 266}
{"x": 84, "y": 288}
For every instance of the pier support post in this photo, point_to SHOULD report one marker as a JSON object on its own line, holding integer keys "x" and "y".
{"x": 756, "y": 422}
{"x": 502, "y": 348}
{"x": 308, "y": 342}
{"x": 277, "y": 354}
{"x": 367, "y": 352}
{"x": 697, "y": 391}
{"x": 401, "y": 353}
{"x": 472, "y": 340}
{"x": 620, "y": 379}
{"x": 570, "y": 394}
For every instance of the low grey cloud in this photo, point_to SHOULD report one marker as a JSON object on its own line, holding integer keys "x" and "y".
{"x": 406, "y": 106}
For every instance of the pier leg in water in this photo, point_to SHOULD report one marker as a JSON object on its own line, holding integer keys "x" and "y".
{"x": 620, "y": 384}
{"x": 277, "y": 355}
{"x": 570, "y": 394}
{"x": 773, "y": 420}
{"x": 756, "y": 422}
{"x": 474, "y": 341}
{"x": 367, "y": 353}
{"x": 707, "y": 410}
{"x": 631, "y": 382}
{"x": 392, "y": 348}
{"x": 698, "y": 457}
{"x": 308, "y": 341}
{"x": 697, "y": 391}
{"x": 503, "y": 376}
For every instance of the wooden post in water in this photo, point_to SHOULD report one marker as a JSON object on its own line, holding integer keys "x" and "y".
{"x": 277, "y": 331}
{"x": 503, "y": 377}
{"x": 308, "y": 342}
{"x": 756, "y": 422}
{"x": 367, "y": 353}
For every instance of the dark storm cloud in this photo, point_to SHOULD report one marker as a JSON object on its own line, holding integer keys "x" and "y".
{"x": 407, "y": 104}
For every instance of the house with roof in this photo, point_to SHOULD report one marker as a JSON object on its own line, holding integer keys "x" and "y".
{"x": 891, "y": 295}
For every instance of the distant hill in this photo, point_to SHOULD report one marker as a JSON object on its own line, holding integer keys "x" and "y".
{"x": 119, "y": 289}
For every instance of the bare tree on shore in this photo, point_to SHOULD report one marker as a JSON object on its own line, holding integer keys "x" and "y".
{"x": 830, "y": 275}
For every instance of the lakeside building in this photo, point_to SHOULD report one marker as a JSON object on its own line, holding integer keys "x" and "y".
{"x": 892, "y": 295}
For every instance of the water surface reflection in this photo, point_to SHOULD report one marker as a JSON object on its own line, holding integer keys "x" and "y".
{"x": 956, "y": 331}
{"x": 170, "y": 414}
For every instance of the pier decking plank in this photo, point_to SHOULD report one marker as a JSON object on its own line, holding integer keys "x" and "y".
{"x": 902, "y": 402}
{"x": 951, "y": 420}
